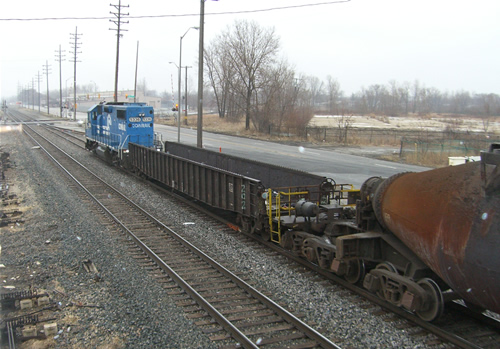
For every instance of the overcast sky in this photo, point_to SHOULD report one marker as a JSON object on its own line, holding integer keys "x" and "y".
{"x": 448, "y": 44}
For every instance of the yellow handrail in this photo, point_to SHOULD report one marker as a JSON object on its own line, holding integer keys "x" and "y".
{"x": 274, "y": 208}
{"x": 270, "y": 215}
{"x": 278, "y": 210}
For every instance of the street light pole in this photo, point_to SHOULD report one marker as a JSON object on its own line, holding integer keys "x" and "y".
{"x": 179, "y": 107}
{"x": 199, "y": 124}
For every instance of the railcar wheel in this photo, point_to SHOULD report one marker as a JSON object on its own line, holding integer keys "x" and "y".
{"x": 435, "y": 302}
{"x": 355, "y": 271}
{"x": 389, "y": 267}
{"x": 309, "y": 250}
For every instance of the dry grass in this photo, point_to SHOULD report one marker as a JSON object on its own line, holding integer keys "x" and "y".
{"x": 378, "y": 137}
{"x": 212, "y": 123}
{"x": 435, "y": 160}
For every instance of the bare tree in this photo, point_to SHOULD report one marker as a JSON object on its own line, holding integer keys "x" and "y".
{"x": 278, "y": 97}
{"x": 374, "y": 95}
{"x": 404, "y": 93}
{"x": 333, "y": 89}
{"x": 344, "y": 124}
{"x": 219, "y": 73}
{"x": 252, "y": 50}
{"x": 460, "y": 102}
{"x": 489, "y": 102}
{"x": 143, "y": 86}
{"x": 416, "y": 93}
{"x": 315, "y": 88}
{"x": 434, "y": 100}
{"x": 395, "y": 98}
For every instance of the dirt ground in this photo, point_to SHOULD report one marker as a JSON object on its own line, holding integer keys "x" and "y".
{"x": 491, "y": 125}
{"x": 414, "y": 122}
{"x": 387, "y": 150}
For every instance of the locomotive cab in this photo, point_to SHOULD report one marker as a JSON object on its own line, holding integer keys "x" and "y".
{"x": 111, "y": 127}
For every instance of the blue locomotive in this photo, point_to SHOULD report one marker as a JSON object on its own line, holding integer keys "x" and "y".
{"x": 112, "y": 126}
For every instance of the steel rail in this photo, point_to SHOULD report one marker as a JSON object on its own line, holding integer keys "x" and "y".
{"x": 223, "y": 321}
{"x": 451, "y": 338}
{"x": 443, "y": 334}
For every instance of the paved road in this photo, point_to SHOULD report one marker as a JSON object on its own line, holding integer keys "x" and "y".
{"x": 343, "y": 168}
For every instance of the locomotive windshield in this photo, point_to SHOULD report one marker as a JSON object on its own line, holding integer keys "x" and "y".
{"x": 121, "y": 114}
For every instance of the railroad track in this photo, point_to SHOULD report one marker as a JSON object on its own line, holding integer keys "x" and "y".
{"x": 234, "y": 313}
{"x": 457, "y": 328}
{"x": 76, "y": 138}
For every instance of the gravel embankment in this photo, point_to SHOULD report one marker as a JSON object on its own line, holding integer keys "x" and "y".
{"x": 137, "y": 311}
{"x": 47, "y": 251}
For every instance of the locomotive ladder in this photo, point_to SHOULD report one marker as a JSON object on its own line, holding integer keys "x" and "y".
{"x": 275, "y": 213}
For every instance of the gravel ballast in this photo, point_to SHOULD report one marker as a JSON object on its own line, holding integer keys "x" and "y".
{"x": 124, "y": 306}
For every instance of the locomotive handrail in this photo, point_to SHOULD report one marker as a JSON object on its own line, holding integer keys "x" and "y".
{"x": 341, "y": 197}
{"x": 270, "y": 215}
{"x": 120, "y": 151}
{"x": 278, "y": 210}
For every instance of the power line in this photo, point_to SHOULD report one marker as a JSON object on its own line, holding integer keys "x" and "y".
{"x": 46, "y": 70}
{"x": 39, "y": 79}
{"x": 59, "y": 58}
{"x": 118, "y": 21}
{"x": 75, "y": 37}
{"x": 180, "y": 15}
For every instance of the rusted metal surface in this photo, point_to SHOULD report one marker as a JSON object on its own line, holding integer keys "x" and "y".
{"x": 447, "y": 218}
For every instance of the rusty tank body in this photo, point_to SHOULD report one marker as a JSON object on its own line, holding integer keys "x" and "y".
{"x": 450, "y": 218}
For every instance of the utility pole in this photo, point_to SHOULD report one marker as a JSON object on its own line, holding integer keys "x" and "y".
{"x": 136, "y": 65}
{"x": 28, "y": 95}
{"x": 19, "y": 95}
{"x": 199, "y": 123}
{"x": 59, "y": 58}
{"x": 75, "y": 51}
{"x": 39, "y": 78}
{"x": 33, "y": 92}
{"x": 118, "y": 29}
{"x": 46, "y": 68}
